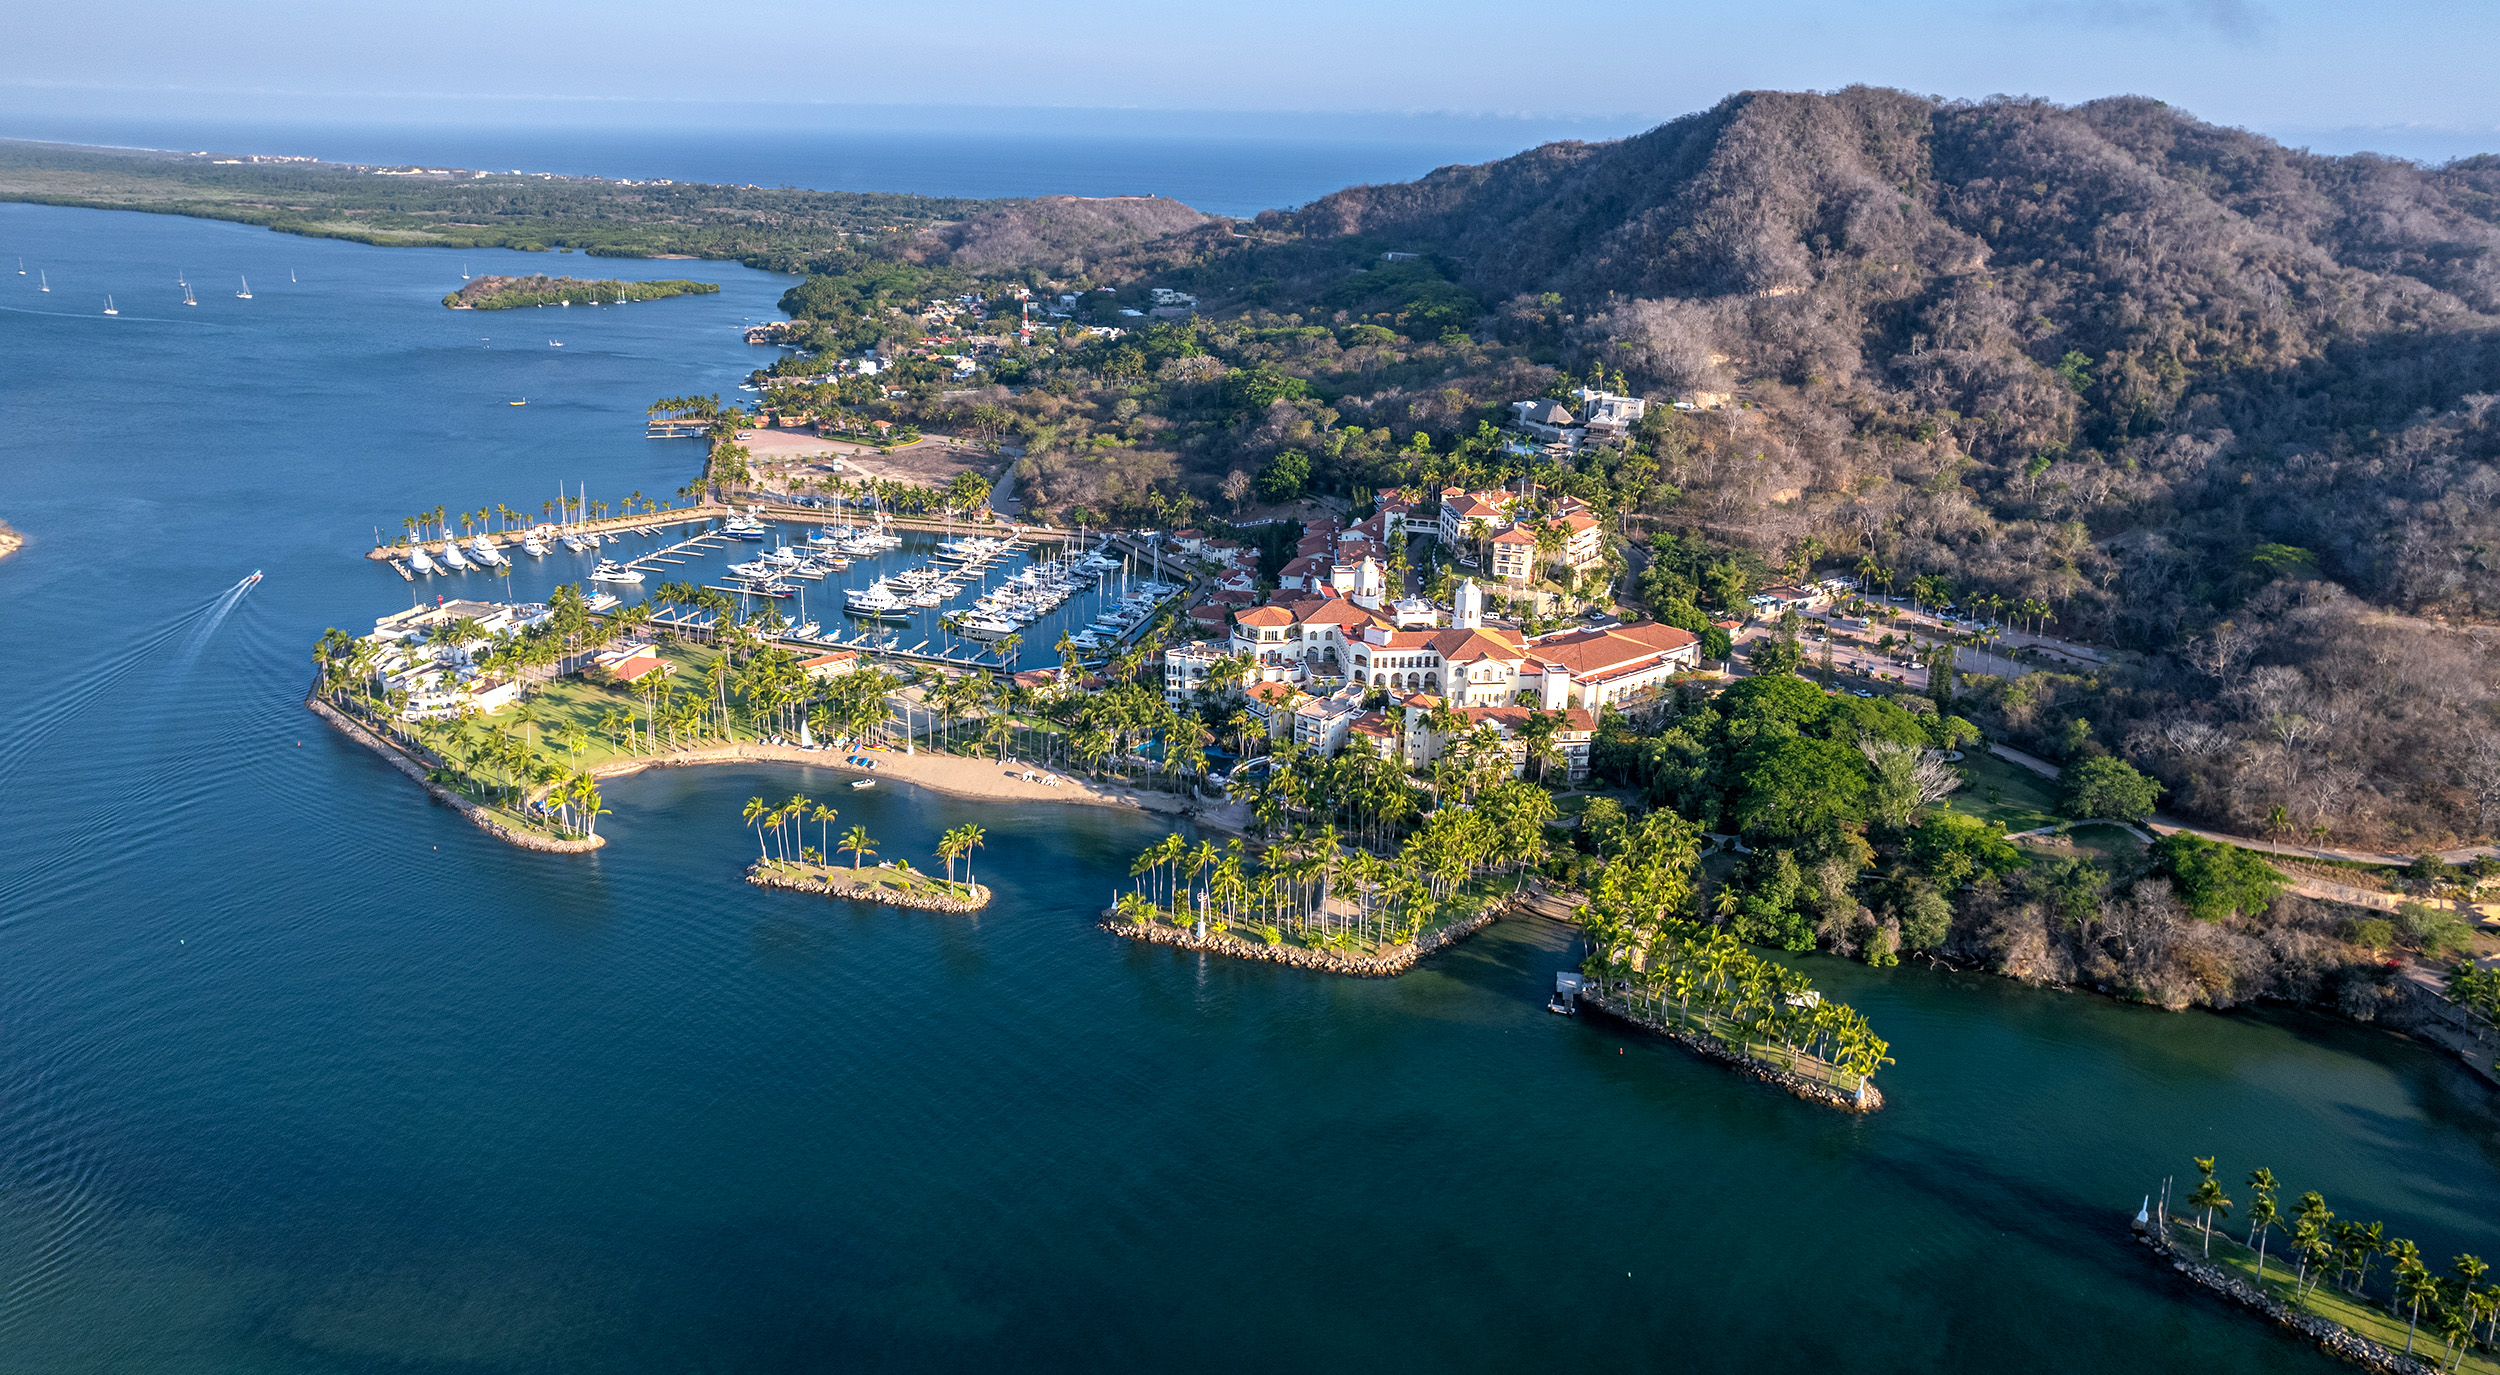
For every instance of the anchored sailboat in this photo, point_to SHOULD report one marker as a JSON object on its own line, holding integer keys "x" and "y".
{"x": 43, "y": 283}
{"x": 187, "y": 298}
{"x": 246, "y": 293}
{"x": 109, "y": 308}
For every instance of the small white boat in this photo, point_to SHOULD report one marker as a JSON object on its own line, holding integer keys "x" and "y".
{"x": 187, "y": 298}
{"x": 533, "y": 546}
{"x": 863, "y": 782}
{"x": 580, "y": 544}
{"x": 109, "y": 307}
{"x": 609, "y": 570}
{"x": 42, "y": 282}
{"x": 246, "y": 293}
{"x": 452, "y": 557}
{"x": 418, "y": 561}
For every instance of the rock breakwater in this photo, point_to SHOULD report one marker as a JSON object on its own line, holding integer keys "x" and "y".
{"x": 763, "y": 877}
{"x": 1394, "y": 961}
{"x": 1709, "y": 1047}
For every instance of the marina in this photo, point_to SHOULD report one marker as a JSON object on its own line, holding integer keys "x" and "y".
{"x": 995, "y": 601}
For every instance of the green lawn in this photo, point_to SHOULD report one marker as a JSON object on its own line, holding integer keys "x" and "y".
{"x": 872, "y": 877}
{"x": 2325, "y": 1301}
{"x": 565, "y": 712}
{"x": 1995, "y": 790}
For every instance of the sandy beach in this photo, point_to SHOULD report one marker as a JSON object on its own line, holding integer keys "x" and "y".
{"x": 959, "y": 775}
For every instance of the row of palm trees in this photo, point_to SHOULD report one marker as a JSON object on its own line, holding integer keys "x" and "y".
{"x": 499, "y": 518}
{"x": 1332, "y": 895}
{"x": 781, "y": 837}
{"x": 2464, "y": 1312}
{"x": 1651, "y": 952}
{"x": 1928, "y": 590}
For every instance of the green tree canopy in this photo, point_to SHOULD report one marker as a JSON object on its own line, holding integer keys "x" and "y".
{"x": 1796, "y": 787}
{"x": 2213, "y": 879}
{"x": 2105, "y": 787}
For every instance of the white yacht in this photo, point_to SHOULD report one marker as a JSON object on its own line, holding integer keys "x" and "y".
{"x": 876, "y": 600}
{"x": 109, "y": 307}
{"x": 609, "y": 570}
{"x": 533, "y": 546}
{"x": 417, "y": 560}
{"x": 453, "y": 558}
{"x": 580, "y": 544}
{"x": 246, "y": 293}
{"x": 485, "y": 552}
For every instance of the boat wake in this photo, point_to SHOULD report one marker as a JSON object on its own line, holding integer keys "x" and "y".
{"x": 83, "y": 687}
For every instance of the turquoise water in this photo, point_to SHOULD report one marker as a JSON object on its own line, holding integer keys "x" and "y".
{"x": 299, "y": 1072}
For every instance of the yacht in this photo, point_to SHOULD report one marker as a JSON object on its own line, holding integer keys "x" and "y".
{"x": 485, "y": 552}
{"x": 782, "y": 559}
{"x": 42, "y": 282}
{"x": 187, "y": 298}
{"x": 580, "y": 544}
{"x": 418, "y": 561}
{"x": 246, "y": 293}
{"x": 755, "y": 568}
{"x": 804, "y": 630}
{"x": 876, "y": 600}
{"x": 453, "y": 558}
{"x": 109, "y": 308}
{"x": 609, "y": 570}
{"x": 976, "y": 623}
{"x": 533, "y": 546}
{"x": 742, "y": 526}
{"x": 770, "y": 587}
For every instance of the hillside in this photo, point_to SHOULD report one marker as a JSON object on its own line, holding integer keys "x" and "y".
{"x": 2222, "y": 405}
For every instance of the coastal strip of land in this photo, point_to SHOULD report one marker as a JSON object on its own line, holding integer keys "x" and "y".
{"x": 484, "y": 818}
{"x": 515, "y": 293}
{"x": 879, "y": 883}
{"x": 1394, "y": 960}
{"x": 1864, "y": 1098}
{"x": 2335, "y": 1338}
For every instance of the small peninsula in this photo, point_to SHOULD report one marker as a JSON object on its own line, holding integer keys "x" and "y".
{"x": 512, "y": 293}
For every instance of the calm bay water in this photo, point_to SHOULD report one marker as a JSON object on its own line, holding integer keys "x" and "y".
{"x": 298, "y": 1072}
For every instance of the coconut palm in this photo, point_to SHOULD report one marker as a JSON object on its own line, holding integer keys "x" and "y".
{"x": 753, "y": 815}
{"x": 2261, "y": 1214}
{"x": 973, "y": 836}
{"x": 2209, "y": 1198}
{"x": 857, "y": 842}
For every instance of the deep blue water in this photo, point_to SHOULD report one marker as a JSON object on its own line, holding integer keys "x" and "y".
{"x": 299, "y": 1072}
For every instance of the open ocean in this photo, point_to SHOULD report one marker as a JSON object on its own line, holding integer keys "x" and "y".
{"x": 300, "y": 1072}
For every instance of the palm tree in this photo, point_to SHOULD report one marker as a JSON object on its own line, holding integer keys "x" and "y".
{"x": 973, "y": 836}
{"x": 753, "y": 815}
{"x": 824, "y": 817}
{"x": 2209, "y": 1198}
{"x": 2414, "y": 1283}
{"x": 950, "y": 847}
{"x": 2261, "y": 1214}
{"x": 857, "y": 842}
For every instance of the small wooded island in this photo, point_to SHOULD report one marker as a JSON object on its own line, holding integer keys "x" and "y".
{"x": 512, "y": 293}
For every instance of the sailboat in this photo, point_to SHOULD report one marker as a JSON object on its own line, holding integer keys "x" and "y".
{"x": 290, "y": 275}
{"x": 109, "y": 307}
{"x": 21, "y": 267}
{"x": 464, "y": 272}
{"x": 246, "y": 293}
{"x": 187, "y": 298}
{"x": 43, "y": 283}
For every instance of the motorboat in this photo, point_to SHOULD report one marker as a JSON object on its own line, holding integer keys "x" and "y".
{"x": 453, "y": 558}
{"x": 486, "y": 553}
{"x": 783, "y": 558}
{"x": 609, "y": 570}
{"x": 774, "y": 589}
{"x": 804, "y": 630}
{"x": 743, "y": 526}
{"x": 756, "y": 568}
{"x": 977, "y": 624}
{"x": 858, "y": 783}
{"x": 876, "y": 600}
{"x": 580, "y": 544}
{"x": 533, "y": 546}
{"x": 418, "y": 560}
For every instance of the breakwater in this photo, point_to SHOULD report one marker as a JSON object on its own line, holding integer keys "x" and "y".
{"x": 1868, "y": 1098}
{"x": 482, "y": 817}
{"x": 2334, "y": 1338}
{"x": 1394, "y": 961}
{"x": 763, "y": 877}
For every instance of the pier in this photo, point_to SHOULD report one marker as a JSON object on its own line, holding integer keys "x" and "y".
{"x": 884, "y": 645}
{"x": 604, "y": 525}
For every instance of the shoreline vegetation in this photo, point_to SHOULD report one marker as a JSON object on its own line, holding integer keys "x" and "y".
{"x": 2317, "y": 1282}
{"x": 515, "y": 293}
{"x": 879, "y": 883}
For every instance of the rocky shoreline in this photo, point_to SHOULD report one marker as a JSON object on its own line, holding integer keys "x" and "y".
{"x": 2334, "y": 1338}
{"x": 762, "y": 877}
{"x": 1381, "y": 966}
{"x": 1710, "y": 1047}
{"x": 478, "y": 816}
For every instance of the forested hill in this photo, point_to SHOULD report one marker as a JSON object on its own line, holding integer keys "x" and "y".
{"x": 1967, "y": 320}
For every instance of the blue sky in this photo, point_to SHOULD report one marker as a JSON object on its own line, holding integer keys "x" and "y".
{"x": 2413, "y": 79}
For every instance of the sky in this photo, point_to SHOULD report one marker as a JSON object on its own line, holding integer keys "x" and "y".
{"x": 2410, "y": 79}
